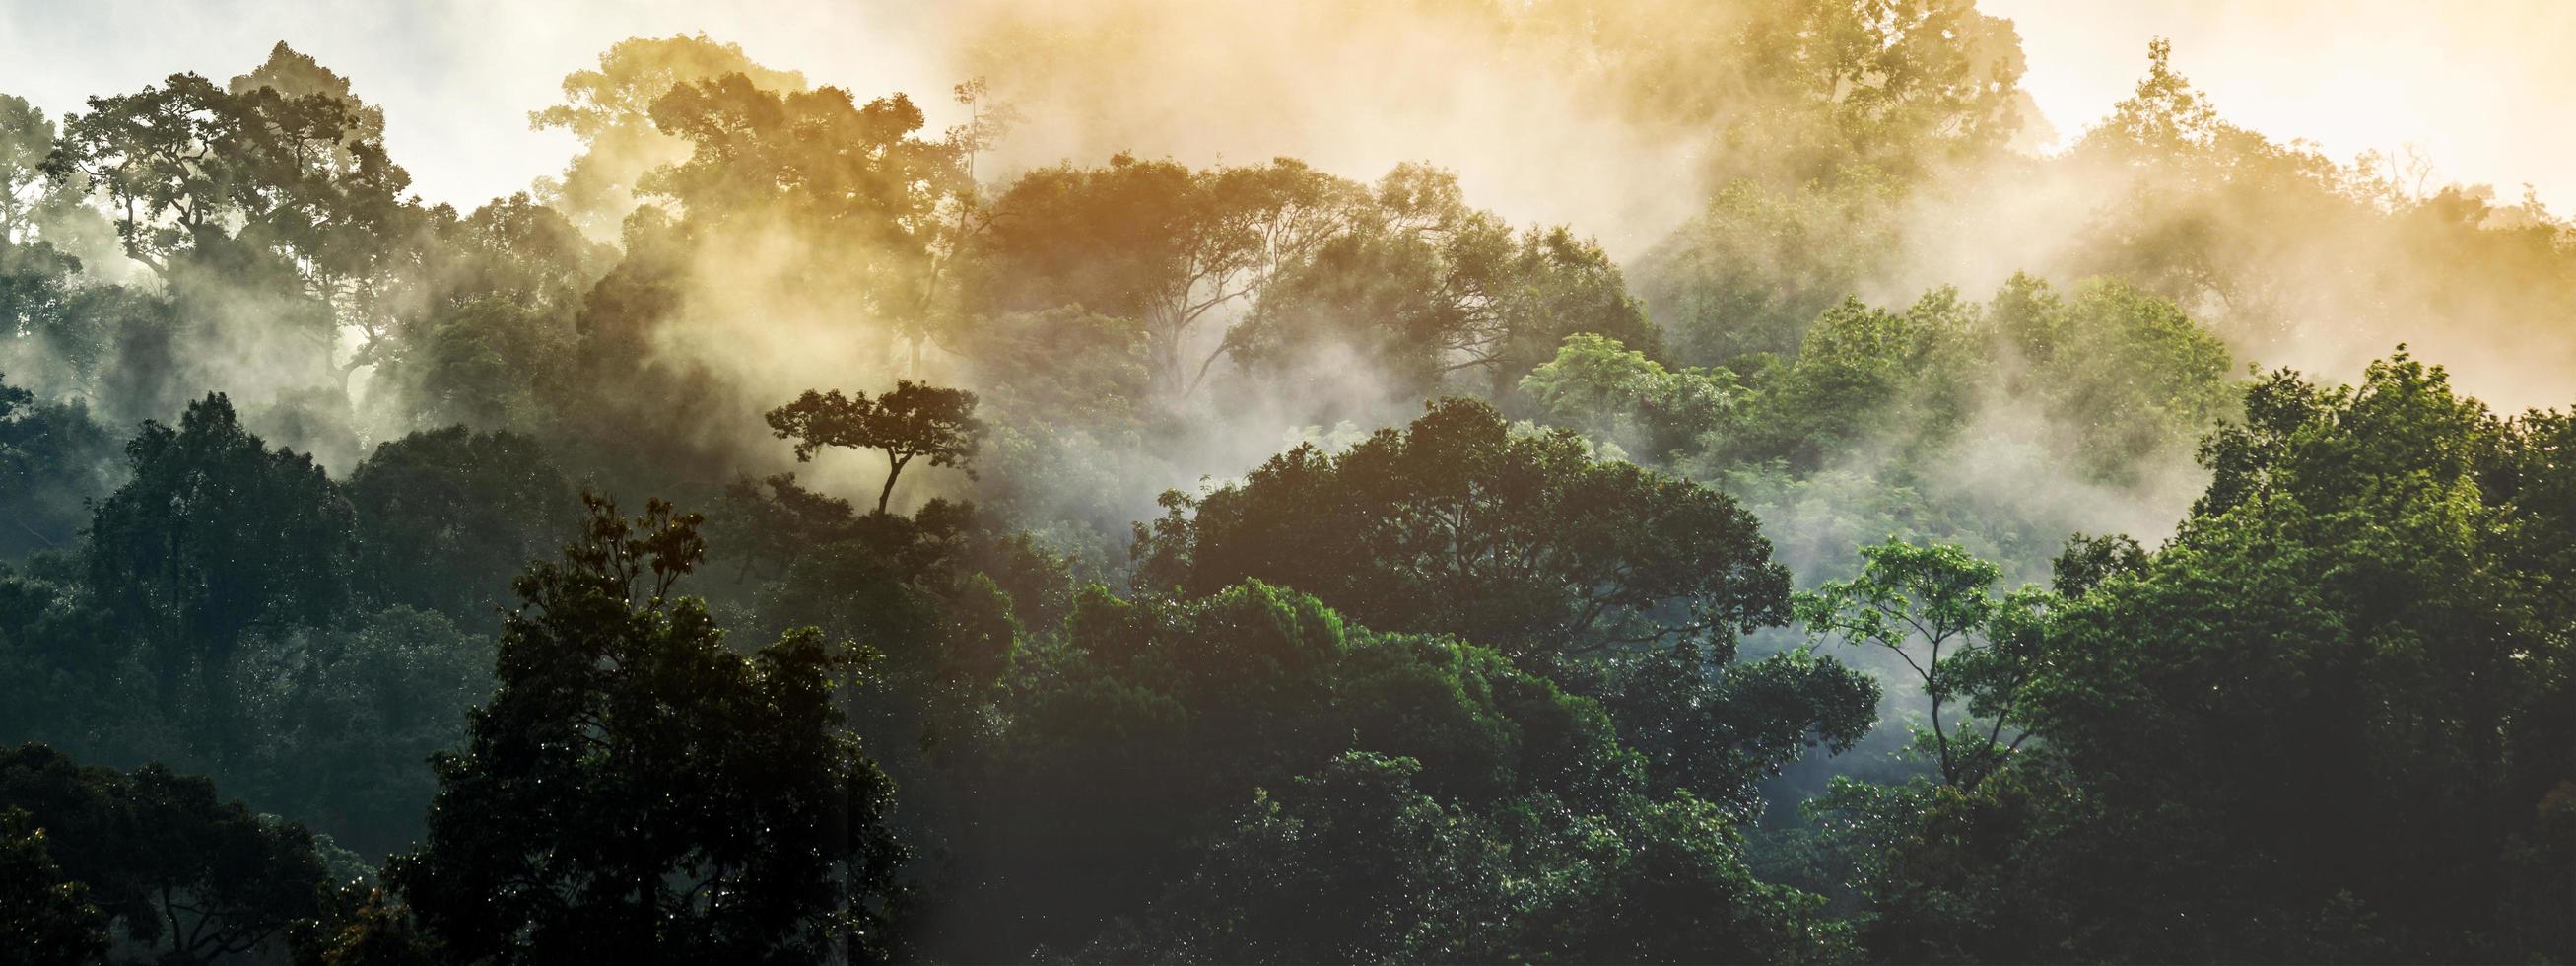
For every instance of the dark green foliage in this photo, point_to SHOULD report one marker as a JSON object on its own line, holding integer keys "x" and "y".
{"x": 1458, "y": 524}
{"x": 2355, "y": 638}
{"x": 2088, "y": 561}
{"x": 637, "y": 791}
{"x": 44, "y": 918}
{"x": 1715, "y": 729}
{"x": 349, "y": 716}
{"x": 1157, "y": 718}
{"x": 53, "y": 459}
{"x": 173, "y": 867}
{"x": 214, "y": 534}
{"x": 1459, "y": 690}
{"x": 1353, "y": 864}
{"x": 447, "y": 517}
{"x": 1918, "y": 602}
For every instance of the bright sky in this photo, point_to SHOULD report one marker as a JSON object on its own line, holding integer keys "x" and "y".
{"x": 2482, "y": 86}
{"x": 456, "y": 78}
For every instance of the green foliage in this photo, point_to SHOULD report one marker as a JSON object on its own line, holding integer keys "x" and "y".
{"x": 214, "y": 534}
{"x": 1457, "y": 524}
{"x": 1912, "y": 600}
{"x": 446, "y": 517}
{"x": 1869, "y": 376}
{"x": 1465, "y": 691}
{"x": 1352, "y": 863}
{"x": 1610, "y": 392}
{"x": 2371, "y": 538}
{"x": 349, "y": 716}
{"x": 504, "y": 287}
{"x": 173, "y": 867}
{"x": 54, "y": 459}
{"x": 1752, "y": 271}
{"x": 2127, "y": 373}
{"x": 635, "y": 789}
{"x": 1435, "y": 293}
{"x": 2354, "y": 638}
{"x": 1716, "y": 732}
{"x": 43, "y": 917}
{"x": 1156, "y": 718}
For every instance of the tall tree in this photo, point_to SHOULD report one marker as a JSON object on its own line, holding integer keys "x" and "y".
{"x": 638, "y": 790}
{"x": 1935, "y": 608}
{"x": 610, "y": 109}
{"x": 1435, "y": 291}
{"x": 914, "y": 420}
{"x": 1460, "y": 524}
{"x": 445, "y": 518}
{"x": 214, "y": 534}
{"x": 176, "y": 868}
{"x": 1154, "y": 242}
{"x": 43, "y": 917}
{"x": 279, "y": 179}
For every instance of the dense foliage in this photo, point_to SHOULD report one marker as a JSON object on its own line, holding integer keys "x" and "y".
{"x": 1267, "y": 564}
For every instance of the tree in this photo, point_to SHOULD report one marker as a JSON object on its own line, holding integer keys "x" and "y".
{"x": 2353, "y": 637}
{"x": 445, "y": 516}
{"x": 878, "y": 208}
{"x": 1353, "y": 863}
{"x": 635, "y": 789}
{"x": 54, "y": 460}
{"x": 166, "y": 859}
{"x": 2356, "y": 636}
{"x": 1911, "y": 599}
{"x": 349, "y": 714}
{"x": 1460, "y": 524}
{"x": 1154, "y": 242}
{"x": 43, "y": 917}
{"x": 504, "y": 286}
{"x": 339, "y": 216}
{"x": 1434, "y": 291}
{"x": 915, "y": 420}
{"x": 2128, "y": 376}
{"x": 1753, "y": 270}
{"x": 1610, "y": 392}
{"x": 1156, "y": 719}
{"x": 279, "y": 179}
{"x": 216, "y": 533}
{"x": 1866, "y": 374}
{"x": 610, "y": 109}
{"x": 38, "y": 207}
{"x": 1716, "y": 732}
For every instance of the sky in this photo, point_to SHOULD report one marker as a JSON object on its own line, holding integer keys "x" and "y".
{"x": 2479, "y": 86}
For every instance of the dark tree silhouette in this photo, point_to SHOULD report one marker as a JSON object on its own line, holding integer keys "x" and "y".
{"x": 913, "y": 421}
{"x": 636, "y": 791}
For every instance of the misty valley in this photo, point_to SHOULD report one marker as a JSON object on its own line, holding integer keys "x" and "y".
{"x": 976, "y": 525}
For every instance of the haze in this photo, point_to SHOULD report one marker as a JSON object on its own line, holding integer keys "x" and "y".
{"x": 2468, "y": 83}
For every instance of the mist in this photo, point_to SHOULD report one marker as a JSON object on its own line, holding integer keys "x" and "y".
{"x": 1144, "y": 480}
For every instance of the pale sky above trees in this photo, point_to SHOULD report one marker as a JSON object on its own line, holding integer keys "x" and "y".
{"x": 2471, "y": 84}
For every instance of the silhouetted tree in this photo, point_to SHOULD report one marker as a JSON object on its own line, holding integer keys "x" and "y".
{"x": 914, "y": 420}
{"x": 175, "y": 867}
{"x": 637, "y": 790}
{"x": 214, "y": 534}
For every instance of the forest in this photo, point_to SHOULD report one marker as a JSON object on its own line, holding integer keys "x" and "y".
{"x": 806, "y": 530}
